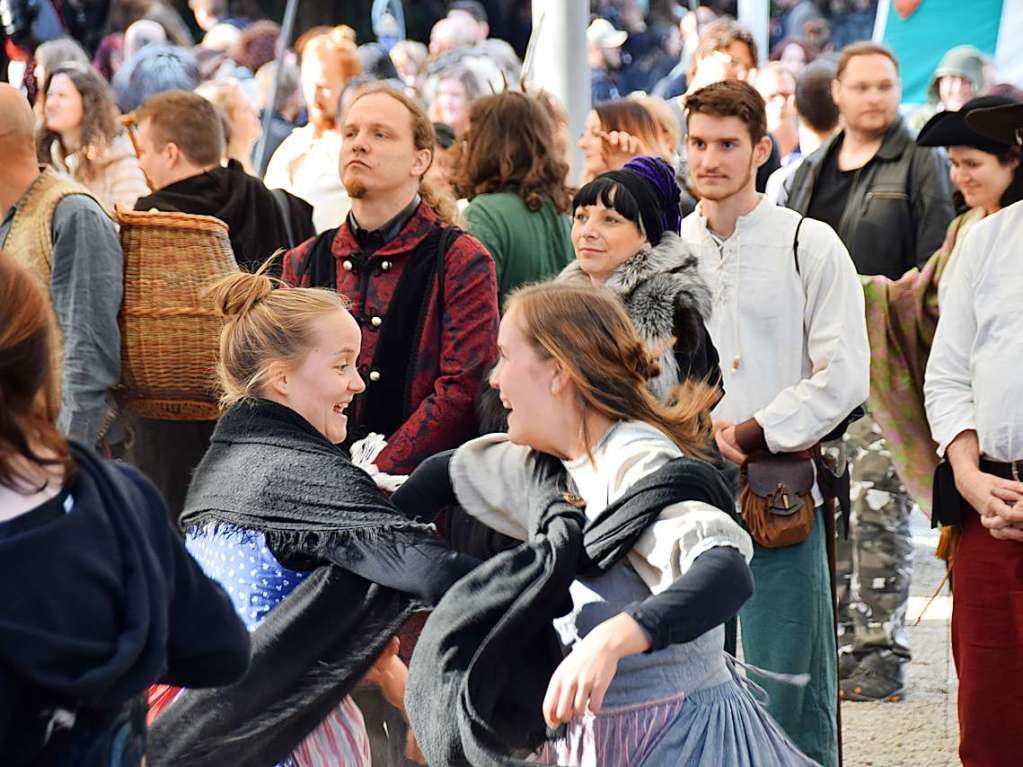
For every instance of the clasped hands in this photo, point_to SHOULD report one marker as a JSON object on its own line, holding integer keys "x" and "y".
{"x": 996, "y": 500}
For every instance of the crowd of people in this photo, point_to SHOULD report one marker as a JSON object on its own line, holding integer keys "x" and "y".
{"x": 504, "y": 465}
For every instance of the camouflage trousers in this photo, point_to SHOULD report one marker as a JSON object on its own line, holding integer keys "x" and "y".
{"x": 875, "y": 564}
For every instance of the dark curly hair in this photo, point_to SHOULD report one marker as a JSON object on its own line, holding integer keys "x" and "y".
{"x": 510, "y": 147}
{"x": 99, "y": 115}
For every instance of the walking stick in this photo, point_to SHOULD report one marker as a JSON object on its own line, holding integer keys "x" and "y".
{"x": 128, "y": 123}
{"x": 830, "y": 533}
{"x": 287, "y": 29}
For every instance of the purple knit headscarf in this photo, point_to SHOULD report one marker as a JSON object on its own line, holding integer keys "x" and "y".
{"x": 661, "y": 177}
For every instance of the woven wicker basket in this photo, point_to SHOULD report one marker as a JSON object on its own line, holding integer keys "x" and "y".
{"x": 170, "y": 336}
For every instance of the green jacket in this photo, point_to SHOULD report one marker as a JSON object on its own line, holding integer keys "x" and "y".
{"x": 526, "y": 246}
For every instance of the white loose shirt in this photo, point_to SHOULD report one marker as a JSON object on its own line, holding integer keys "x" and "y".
{"x": 974, "y": 379}
{"x": 793, "y": 347}
{"x": 309, "y": 167}
{"x": 490, "y": 475}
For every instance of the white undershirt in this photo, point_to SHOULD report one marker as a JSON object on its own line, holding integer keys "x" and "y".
{"x": 973, "y": 378}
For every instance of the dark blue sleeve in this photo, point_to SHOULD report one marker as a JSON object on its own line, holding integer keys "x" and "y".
{"x": 405, "y": 560}
{"x": 428, "y": 490}
{"x": 711, "y": 592}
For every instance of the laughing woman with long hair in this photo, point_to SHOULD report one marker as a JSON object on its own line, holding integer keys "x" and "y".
{"x": 630, "y": 557}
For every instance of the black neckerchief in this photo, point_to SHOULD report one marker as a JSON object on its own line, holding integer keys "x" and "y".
{"x": 371, "y": 241}
{"x": 489, "y": 649}
{"x": 269, "y": 469}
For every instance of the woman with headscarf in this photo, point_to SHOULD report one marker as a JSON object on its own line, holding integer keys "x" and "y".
{"x": 625, "y": 232}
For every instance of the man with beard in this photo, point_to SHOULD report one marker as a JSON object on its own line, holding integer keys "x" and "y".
{"x": 890, "y": 202}
{"x": 424, "y": 293}
{"x": 789, "y": 326}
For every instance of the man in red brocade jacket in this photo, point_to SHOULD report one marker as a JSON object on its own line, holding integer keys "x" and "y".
{"x": 424, "y": 351}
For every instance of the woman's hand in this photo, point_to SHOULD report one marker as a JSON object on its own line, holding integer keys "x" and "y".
{"x": 620, "y": 147}
{"x": 581, "y": 680}
{"x": 390, "y": 673}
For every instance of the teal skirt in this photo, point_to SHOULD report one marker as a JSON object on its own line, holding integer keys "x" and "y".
{"x": 788, "y": 627}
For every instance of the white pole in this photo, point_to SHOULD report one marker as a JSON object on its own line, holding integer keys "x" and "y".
{"x": 559, "y": 62}
{"x": 755, "y": 15}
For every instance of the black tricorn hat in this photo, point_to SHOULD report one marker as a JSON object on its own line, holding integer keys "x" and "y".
{"x": 1002, "y": 123}
{"x": 956, "y": 128}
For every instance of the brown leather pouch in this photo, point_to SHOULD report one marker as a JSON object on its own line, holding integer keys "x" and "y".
{"x": 777, "y": 498}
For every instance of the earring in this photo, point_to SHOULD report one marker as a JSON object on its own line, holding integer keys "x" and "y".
{"x": 554, "y": 388}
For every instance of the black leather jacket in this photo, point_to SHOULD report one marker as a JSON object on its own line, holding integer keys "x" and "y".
{"x": 899, "y": 205}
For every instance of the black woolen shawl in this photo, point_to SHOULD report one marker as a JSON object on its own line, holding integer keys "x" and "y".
{"x": 480, "y": 670}
{"x": 269, "y": 469}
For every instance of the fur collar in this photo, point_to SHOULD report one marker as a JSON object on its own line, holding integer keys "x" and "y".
{"x": 657, "y": 286}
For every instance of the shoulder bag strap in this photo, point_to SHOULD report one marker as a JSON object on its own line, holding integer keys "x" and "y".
{"x": 447, "y": 238}
{"x": 281, "y": 198}
{"x": 319, "y": 263}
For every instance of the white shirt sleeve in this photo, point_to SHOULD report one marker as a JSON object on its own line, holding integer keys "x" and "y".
{"x": 836, "y": 343}
{"x": 683, "y": 531}
{"x": 948, "y": 391}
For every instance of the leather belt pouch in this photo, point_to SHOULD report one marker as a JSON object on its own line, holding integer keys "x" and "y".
{"x": 777, "y": 498}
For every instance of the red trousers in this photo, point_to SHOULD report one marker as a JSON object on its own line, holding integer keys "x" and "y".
{"x": 987, "y": 643}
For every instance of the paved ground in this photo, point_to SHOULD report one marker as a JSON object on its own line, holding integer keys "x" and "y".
{"x": 922, "y": 729}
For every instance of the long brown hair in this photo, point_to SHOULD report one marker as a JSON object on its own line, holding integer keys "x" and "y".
{"x": 423, "y": 137}
{"x": 99, "y": 117}
{"x": 588, "y": 332}
{"x": 510, "y": 147}
{"x": 28, "y": 407}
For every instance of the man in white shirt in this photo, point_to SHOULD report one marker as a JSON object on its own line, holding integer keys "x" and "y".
{"x": 973, "y": 391}
{"x": 795, "y": 361}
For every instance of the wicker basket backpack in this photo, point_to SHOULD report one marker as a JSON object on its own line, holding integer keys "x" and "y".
{"x": 170, "y": 334}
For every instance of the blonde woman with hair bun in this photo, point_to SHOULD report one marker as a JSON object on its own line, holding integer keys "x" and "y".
{"x": 277, "y": 509}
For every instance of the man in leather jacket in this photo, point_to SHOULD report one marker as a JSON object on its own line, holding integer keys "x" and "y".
{"x": 890, "y": 202}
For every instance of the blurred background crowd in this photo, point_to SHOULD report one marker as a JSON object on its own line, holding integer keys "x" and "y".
{"x": 83, "y": 62}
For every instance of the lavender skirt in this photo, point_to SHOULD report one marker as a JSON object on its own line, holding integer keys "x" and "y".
{"x": 719, "y": 725}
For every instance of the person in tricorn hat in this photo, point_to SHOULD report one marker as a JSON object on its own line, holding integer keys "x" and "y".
{"x": 988, "y": 176}
{"x": 971, "y": 383}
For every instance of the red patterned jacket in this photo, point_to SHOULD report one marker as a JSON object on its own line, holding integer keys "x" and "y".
{"x": 455, "y": 351}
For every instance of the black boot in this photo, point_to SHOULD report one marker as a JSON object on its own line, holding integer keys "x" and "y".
{"x": 880, "y": 676}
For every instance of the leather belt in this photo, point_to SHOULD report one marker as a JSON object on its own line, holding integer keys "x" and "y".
{"x": 1012, "y": 470}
